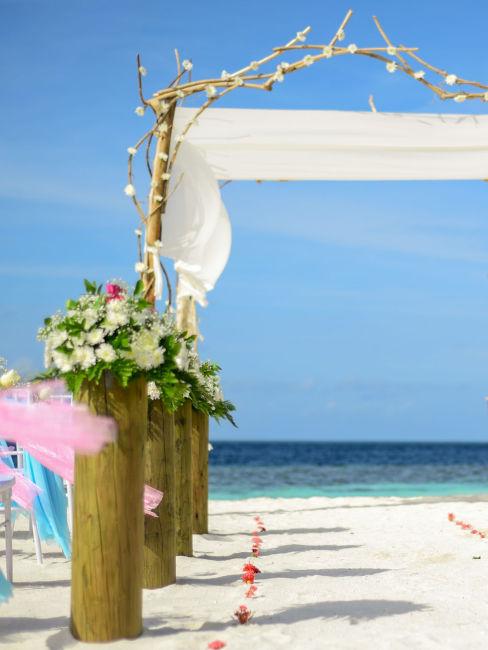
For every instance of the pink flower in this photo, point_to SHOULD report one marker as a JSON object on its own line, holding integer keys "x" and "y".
{"x": 251, "y": 591}
{"x": 114, "y": 291}
{"x": 243, "y": 614}
{"x": 216, "y": 645}
{"x": 451, "y": 516}
{"x": 248, "y": 577}
{"x": 257, "y": 540}
{"x": 251, "y": 567}
{"x": 255, "y": 551}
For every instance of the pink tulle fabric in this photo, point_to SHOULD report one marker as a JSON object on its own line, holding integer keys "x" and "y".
{"x": 52, "y": 431}
{"x": 23, "y": 491}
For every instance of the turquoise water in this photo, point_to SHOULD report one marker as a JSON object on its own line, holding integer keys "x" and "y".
{"x": 290, "y": 470}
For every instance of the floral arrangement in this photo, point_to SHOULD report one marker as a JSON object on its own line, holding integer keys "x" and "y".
{"x": 465, "y": 526}
{"x": 8, "y": 378}
{"x": 117, "y": 330}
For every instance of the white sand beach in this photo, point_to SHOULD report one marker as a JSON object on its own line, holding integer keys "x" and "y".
{"x": 345, "y": 573}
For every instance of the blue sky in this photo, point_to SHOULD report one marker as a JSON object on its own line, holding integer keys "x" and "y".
{"x": 348, "y": 310}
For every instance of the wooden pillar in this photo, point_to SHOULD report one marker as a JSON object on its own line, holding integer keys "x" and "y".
{"x": 159, "y": 533}
{"x": 200, "y": 472}
{"x": 106, "y": 588}
{"x": 184, "y": 483}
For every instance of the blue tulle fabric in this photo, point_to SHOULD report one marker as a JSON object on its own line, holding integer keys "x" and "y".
{"x": 50, "y": 507}
{"x": 5, "y": 588}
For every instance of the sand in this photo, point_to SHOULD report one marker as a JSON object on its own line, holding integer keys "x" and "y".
{"x": 348, "y": 573}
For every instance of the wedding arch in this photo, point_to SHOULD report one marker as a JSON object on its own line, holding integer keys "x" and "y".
{"x": 187, "y": 152}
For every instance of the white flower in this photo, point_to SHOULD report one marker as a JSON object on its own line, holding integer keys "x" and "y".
{"x": 278, "y": 76}
{"x": 158, "y": 243}
{"x": 57, "y": 338}
{"x": 158, "y": 198}
{"x": 140, "y": 111}
{"x": 420, "y": 74}
{"x": 153, "y": 391}
{"x": 187, "y": 65}
{"x": 132, "y": 151}
{"x": 301, "y": 36}
{"x": 283, "y": 66}
{"x": 485, "y": 97}
{"x": 182, "y": 358}
{"x": 450, "y": 79}
{"x": 90, "y": 317}
{"x": 225, "y": 75}
{"x": 238, "y": 82}
{"x": 145, "y": 350}
{"x": 138, "y": 232}
{"x": 140, "y": 267}
{"x": 352, "y": 48}
{"x": 210, "y": 446}
{"x": 130, "y": 190}
{"x": 254, "y": 65}
{"x": 460, "y": 98}
{"x": 327, "y": 51}
{"x": 163, "y": 105}
{"x": 62, "y": 362}
{"x": 180, "y": 93}
{"x": 105, "y": 352}
{"x": 142, "y": 70}
{"x": 211, "y": 91}
{"x": 9, "y": 379}
{"x": 95, "y": 336}
{"x": 180, "y": 138}
{"x": 391, "y": 50}
{"x": 85, "y": 356}
{"x": 165, "y": 176}
{"x": 391, "y": 66}
{"x": 308, "y": 60}
{"x": 162, "y": 128}
{"x": 162, "y": 156}
{"x": 341, "y": 35}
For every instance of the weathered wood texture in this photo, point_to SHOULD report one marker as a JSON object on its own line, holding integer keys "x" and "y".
{"x": 106, "y": 590}
{"x": 184, "y": 482}
{"x": 200, "y": 472}
{"x": 159, "y": 472}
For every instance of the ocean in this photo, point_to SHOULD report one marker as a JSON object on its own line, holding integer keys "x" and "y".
{"x": 240, "y": 470}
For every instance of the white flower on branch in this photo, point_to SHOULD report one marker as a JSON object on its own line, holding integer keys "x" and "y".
{"x": 187, "y": 65}
{"x": 301, "y": 36}
{"x": 391, "y": 50}
{"x": 391, "y": 66}
{"x": 341, "y": 35}
{"x": 138, "y": 232}
{"x": 132, "y": 151}
{"x": 211, "y": 91}
{"x": 485, "y": 97}
{"x": 450, "y": 79}
{"x": 278, "y": 76}
{"x": 142, "y": 70}
{"x": 162, "y": 156}
{"x": 254, "y": 65}
{"x": 180, "y": 93}
{"x": 166, "y": 176}
{"x": 162, "y": 129}
{"x": 163, "y": 106}
{"x": 352, "y": 48}
{"x": 460, "y": 98}
{"x": 139, "y": 111}
{"x": 420, "y": 74}
{"x": 130, "y": 190}
{"x": 158, "y": 198}
{"x": 239, "y": 81}
{"x": 308, "y": 60}
{"x": 283, "y": 66}
{"x": 140, "y": 267}
{"x": 158, "y": 244}
{"x": 153, "y": 391}
{"x": 328, "y": 51}
{"x": 225, "y": 75}
{"x": 180, "y": 138}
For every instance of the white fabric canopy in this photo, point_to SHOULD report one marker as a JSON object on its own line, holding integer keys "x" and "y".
{"x": 248, "y": 144}
{"x": 255, "y": 144}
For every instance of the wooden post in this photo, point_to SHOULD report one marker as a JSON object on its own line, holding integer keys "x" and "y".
{"x": 200, "y": 472}
{"x": 159, "y": 533}
{"x": 184, "y": 483}
{"x": 106, "y": 588}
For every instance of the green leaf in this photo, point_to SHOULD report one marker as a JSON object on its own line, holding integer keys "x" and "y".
{"x": 91, "y": 287}
{"x": 138, "y": 288}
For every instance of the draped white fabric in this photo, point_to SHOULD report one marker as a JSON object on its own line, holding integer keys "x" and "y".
{"x": 249, "y": 144}
{"x": 254, "y": 144}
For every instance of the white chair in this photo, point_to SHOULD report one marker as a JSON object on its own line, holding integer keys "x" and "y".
{"x": 6, "y": 485}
